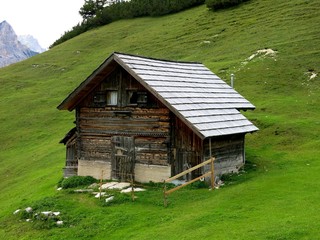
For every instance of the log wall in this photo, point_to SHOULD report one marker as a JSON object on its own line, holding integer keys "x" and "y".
{"x": 147, "y": 121}
{"x": 228, "y": 152}
{"x": 186, "y": 148}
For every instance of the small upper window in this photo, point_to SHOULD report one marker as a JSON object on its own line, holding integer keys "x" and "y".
{"x": 142, "y": 97}
{"x": 135, "y": 97}
{"x": 99, "y": 99}
{"x": 112, "y": 98}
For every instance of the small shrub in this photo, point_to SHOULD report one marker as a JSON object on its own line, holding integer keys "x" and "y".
{"x": 199, "y": 184}
{"x": 222, "y": 4}
{"x": 76, "y": 181}
{"x": 45, "y": 204}
{"x": 60, "y": 182}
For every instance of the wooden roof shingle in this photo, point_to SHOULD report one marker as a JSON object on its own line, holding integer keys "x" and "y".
{"x": 190, "y": 90}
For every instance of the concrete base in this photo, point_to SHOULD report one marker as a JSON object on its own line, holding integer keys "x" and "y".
{"x": 155, "y": 173}
{"x": 95, "y": 169}
{"x": 143, "y": 173}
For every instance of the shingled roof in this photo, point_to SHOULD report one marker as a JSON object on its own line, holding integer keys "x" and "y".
{"x": 190, "y": 90}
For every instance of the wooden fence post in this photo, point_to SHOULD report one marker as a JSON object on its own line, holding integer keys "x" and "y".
{"x": 132, "y": 189}
{"x": 165, "y": 203}
{"x": 100, "y": 188}
{"x": 212, "y": 173}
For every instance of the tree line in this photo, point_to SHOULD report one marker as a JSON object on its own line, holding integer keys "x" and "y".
{"x": 96, "y": 13}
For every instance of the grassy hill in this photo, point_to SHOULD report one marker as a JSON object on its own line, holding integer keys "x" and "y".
{"x": 277, "y": 197}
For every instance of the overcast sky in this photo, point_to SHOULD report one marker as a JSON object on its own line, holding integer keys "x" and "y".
{"x": 46, "y": 20}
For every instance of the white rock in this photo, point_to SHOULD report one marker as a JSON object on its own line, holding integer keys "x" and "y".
{"x": 47, "y": 213}
{"x": 115, "y": 185}
{"x": 28, "y": 220}
{"x": 313, "y": 75}
{"x": 28, "y": 209}
{"x": 100, "y": 195}
{"x": 134, "y": 189}
{"x": 56, "y": 213}
{"x": 59, "y": 189}
{"x": 83, "y": 190}
{"x": 109, "y": 199}
{"x": 108, "y": 185}
{"x": 16, "y": 211}
{"x": 120, "y": 185}
{"x": 59, "y": 222}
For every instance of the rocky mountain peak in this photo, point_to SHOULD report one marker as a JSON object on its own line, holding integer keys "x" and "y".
{"x": 31, "y": 42}
{"x": 11, "y": 50}
{"x": 7, "y": 34}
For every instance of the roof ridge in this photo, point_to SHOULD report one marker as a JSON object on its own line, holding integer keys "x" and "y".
{"x": 156, "y": 59}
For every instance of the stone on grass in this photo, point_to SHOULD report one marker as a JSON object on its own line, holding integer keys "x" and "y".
{"x": 83, "y": 190}
{"x": 56, "y": 213}
{"x": 98, "y": 195}
{"x": 115, "y": 185}
{"x": 108, "y": 185}
{"x": 16, "y": 211}
{"x": 46, "y": 213}
{"x": 120, "y": 185}
{"x": 109, "y": 199}
{"x": 128, "y": 190}
{"x": 94, "y": 185}
{"x": 28, "y": 209}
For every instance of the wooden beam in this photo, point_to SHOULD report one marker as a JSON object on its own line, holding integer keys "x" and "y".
{"x": 189, "y": 170}
{"x": 187, "y": 183}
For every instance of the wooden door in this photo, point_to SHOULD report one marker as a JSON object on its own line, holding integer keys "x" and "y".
{"x": 122, "y": 158}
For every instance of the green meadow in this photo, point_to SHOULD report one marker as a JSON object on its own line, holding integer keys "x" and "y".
{"x": 276, "y": 196}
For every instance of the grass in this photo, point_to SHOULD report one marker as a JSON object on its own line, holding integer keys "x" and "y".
{"x": 277, "y": 196}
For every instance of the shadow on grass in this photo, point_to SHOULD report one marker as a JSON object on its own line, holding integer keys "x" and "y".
{"x": 247, "y": 172}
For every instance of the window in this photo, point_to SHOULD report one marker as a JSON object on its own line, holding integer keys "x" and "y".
{"x": 99, "y": 99}
{"x": 132, "y": 97}
{"x": 135, "y": 97}
{"x": 142, "y": 97}
{"x": 112, "y": 97}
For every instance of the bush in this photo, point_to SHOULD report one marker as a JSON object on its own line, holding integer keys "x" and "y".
{"x": 199, "y": 184}
{"x": 76, "y": 181}
{"x": 222, "y": 4}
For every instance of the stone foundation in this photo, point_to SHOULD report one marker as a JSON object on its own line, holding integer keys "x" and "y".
{"x": 155, "y": 173}
{"x": 143, "y": 173}
{"x": 94, "y": 169}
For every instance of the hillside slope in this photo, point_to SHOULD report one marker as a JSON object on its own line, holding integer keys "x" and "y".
{"x": 276, "y": 199}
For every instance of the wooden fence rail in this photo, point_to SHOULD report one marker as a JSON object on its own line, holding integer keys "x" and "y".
{"x": 210, "y": 173}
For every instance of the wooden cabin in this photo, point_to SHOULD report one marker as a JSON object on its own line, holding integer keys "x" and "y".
{"x": 148, "y": 119}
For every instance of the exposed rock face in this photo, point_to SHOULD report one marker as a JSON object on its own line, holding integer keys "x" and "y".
{"x": 31, "y": 43}
{"x": 11, "y": 50}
